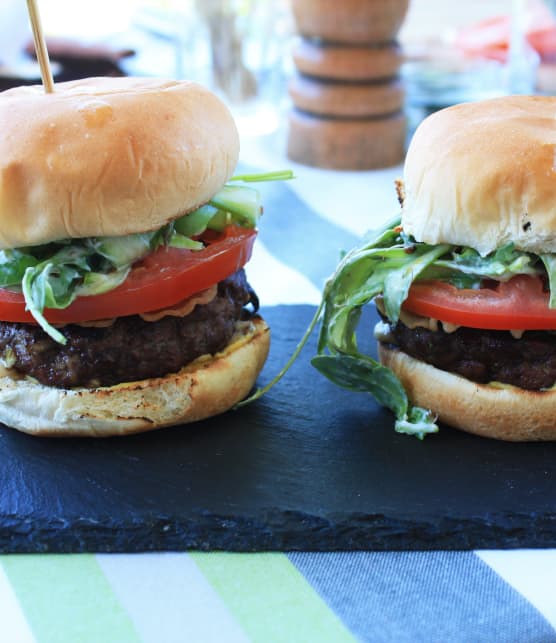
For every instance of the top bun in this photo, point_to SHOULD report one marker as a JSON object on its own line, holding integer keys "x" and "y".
{"x": 108, "y": 156}
{"x": 483, "y": 175}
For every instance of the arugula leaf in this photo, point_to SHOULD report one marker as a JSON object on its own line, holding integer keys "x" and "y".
{"x": 52, "y": 284}
{"x": 35, "y": 300}
{"x": 396, "y": 282}
{"x": 363, "y": 374}
{"x": 502, "y": 264}
{"x": 13, "y": 264}
{"x": 387, "y": 264}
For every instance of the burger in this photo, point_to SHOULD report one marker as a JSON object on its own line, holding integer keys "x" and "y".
{"x": 124, "y": 305}
{"x": 464, "y": 280}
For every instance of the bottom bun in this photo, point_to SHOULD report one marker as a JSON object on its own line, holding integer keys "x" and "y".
{"x": 207, "y": 386}
{"x": 504, "y": 412}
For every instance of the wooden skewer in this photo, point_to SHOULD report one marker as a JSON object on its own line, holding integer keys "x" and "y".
{"x": 40, "y": 46}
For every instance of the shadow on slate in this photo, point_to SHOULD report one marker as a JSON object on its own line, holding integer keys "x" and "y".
{"x": 308, "y": 467}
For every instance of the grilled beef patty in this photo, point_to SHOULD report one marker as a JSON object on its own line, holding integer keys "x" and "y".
{"x": 131, "y": 348}
{"x": 484, "y": 355}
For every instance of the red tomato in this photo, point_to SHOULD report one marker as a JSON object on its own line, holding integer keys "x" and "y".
{"x": 518, "y": 304}
{"x": 158, "y": 281}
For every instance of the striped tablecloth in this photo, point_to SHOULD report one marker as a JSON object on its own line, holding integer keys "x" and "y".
{"x": 486, "y": 596}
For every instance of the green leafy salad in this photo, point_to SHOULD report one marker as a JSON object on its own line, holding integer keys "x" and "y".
{"x": 386, "y": 265}
{"x": 55, "y": 274}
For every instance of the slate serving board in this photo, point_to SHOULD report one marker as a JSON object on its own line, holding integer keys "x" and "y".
{"x": 309, "y": 467}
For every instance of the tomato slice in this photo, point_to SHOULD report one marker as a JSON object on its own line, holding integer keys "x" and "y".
{"x": 160, "y": 280}
{"x": 518, "y": 304}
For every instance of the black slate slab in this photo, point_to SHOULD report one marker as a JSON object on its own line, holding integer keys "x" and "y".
{"x": 309, "y": 467}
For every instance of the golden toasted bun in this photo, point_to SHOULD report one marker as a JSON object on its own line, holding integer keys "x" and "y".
{"x": 483, "y": 175}
{"x": 338, "y": 62}
{"x": 361, "y": 100}
{"x": 108, "y": 156}
{"x": 208, "y": 386}
{"x": 504, "y": 413}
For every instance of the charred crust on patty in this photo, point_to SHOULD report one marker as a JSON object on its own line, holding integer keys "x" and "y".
{"x": 483, "y": 356}
{"x": 130, "y": 349}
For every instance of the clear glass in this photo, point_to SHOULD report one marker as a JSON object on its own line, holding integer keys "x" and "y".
{"x": 238, "y": 48}
{"x": 242, "y": 47}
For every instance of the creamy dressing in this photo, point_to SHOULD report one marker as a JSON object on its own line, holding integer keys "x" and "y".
{"x": 412, "y": 321}
{"x": 181, "y": 309}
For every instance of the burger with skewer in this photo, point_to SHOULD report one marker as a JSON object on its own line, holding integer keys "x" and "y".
{"x": 124, "y": 305}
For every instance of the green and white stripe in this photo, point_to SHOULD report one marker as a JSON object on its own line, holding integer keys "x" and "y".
{"x": 270, "y": 599}
{"x": 161, "y": 598}
{"x": 12, "y": 616}
{"x": 241, "y": 598}
{"x": 171, "y": 585}
{"x": 67, "y": 598}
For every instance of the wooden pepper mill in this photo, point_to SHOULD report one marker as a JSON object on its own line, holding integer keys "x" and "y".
{"x": 347, "y": 97}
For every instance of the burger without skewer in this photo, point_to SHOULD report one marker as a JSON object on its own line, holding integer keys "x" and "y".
{"x": 123, "y": 302}
{"x": 465, "y": 282}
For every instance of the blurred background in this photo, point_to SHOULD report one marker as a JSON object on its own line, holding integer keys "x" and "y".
{"x": 449, "y": 52}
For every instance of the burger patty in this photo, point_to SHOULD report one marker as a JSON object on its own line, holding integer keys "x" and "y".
{"x": 131, "y": 348}
{"x": 484, "y": 355}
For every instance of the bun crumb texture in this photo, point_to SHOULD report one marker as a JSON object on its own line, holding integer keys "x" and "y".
{"x": 108, "y": 156}
{"x": 483, "y": 175}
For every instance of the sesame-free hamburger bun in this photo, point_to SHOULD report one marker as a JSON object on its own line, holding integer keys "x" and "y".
{"x": 109, "y": 156}
{"x": 208, "y": 386}
{"x": 505, "y": 413}
{"x": 481, "y": 176}
{"x": 87, "y": 173}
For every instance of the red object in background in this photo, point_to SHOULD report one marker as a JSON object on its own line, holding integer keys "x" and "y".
{"x": 491, "y": 38}
{"x": 487, "y": 39}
